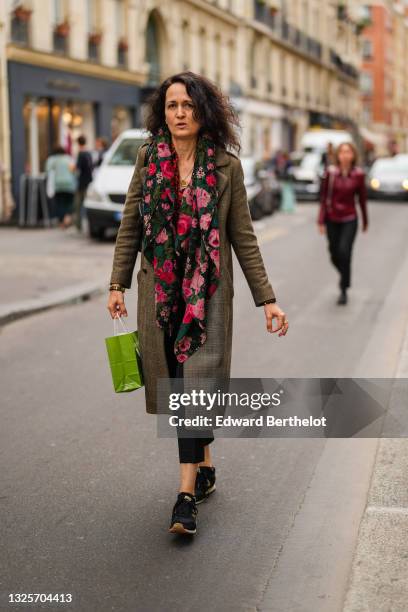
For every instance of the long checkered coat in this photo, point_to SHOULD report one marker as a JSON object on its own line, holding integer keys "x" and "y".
{"x": 213, "y": 359}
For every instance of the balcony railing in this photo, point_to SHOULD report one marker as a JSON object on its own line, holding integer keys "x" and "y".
{"x": 343, "y": 67}
{"x": 286, "y": 31}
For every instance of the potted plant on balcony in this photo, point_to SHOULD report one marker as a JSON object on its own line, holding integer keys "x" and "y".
{"x": 22, "y": 13}
{"x": 62, "y": 29}
{"x": 123, "y": 44}
{"x": 95, "y": 38}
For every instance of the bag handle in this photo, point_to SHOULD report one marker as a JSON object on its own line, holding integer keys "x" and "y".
{"x": 115, "y": 319}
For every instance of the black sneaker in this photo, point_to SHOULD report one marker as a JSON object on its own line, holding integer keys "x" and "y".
{"x": 205, "y": 483}
{"x": 183, "y": 519}
{"x": 342, "y": 298}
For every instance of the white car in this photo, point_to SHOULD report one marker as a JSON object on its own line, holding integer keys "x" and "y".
{"x": 106, "y": 194}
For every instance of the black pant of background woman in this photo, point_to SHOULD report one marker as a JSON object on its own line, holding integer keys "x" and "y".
{"x": 341, "y": 237}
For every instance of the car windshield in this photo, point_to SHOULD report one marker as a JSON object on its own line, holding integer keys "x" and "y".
{"x": 311, "y": 161}
{"x": 125, "y": 154}
{"x": 396, "y": 167}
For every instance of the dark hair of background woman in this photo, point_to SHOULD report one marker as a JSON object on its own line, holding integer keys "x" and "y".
{"x": 212, "y": 109}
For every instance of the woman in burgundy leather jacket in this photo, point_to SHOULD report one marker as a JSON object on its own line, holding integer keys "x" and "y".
{"x": 341, "y": 185}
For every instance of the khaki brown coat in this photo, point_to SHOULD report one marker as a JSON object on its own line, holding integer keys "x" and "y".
{"x": 213, "y": 359}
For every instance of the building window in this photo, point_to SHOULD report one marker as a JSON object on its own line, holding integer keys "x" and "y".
{"x": 202, "y": 48}
{"x": 120, "y": 26}
{"x": 94, "y": 32}
{"x": 367, "y": 49}
{"x": 20, "y": 21}
{"x": 153, "y": 51}
{"x": 217, "y": 43}
{"x": 367, "y": 113}
{"x": 60, "y": 25}
{"x": 185, "y": 33}
{"x": 366, "y": 82}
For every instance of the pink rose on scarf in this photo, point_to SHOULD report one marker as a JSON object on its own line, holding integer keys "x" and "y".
{"x": 197, "y": 281}
{"x": 160, "y": 294}
{"x": 161, "y": 236}
{"x": 198, "y": 309}
{"x": 205, "y": 221}
{"x": 167, "y": 276}
{"x": 166, "y": 168}
{"x": 189, "y": 195}
{"x": 182, "y": 357}
{"x": 214, "y": 238}
{"x": 215, "y": 256}
{"x": 166, "y": 194}
{"x": 149, "y": 183}
{"x": 210, "y": 166}
{"x": 188, "y": 314}
{"x": 211, "y": 289}
{"x": 163, "y": 149}
{"x": 210, "y": 152}
{"x": 168, "y": 265}
{"x": 152, "y": 168}
{"x": 147, "y": 198}
{"x": 183, "y": 224}
{"x": 185, "y": 343}
{"x": 211, "y": 180}
{"x": 203, "y": 197}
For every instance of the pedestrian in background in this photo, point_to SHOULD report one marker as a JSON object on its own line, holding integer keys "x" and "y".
{"x": 341, "y": 185}
{"x": 84, "y": 166}
{"x": 193, "y": 207}
{"x": 329, "y": 156}
{"x": 283, "y": 172}
{"x": 61, "y": 184}
{"x": 101, "y": 146}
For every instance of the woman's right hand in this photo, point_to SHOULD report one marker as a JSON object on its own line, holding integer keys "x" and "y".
{"x": 322, "y": 228}
{"x": 116, "y": 304}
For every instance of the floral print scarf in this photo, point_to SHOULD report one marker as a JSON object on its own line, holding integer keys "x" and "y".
{"x": 181, "y": 242}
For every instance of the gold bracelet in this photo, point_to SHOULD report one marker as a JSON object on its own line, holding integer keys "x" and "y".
{"x": 116, "y": 287}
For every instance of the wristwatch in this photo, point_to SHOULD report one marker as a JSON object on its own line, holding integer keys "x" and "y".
{"x": 117, "y": 287}
{"x": 271, "y": 301}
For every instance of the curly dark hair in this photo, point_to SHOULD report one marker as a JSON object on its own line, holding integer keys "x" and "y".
{"x": 212, "y": 109}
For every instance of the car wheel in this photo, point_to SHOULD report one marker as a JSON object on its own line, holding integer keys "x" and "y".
{"x": 98, "y": 233}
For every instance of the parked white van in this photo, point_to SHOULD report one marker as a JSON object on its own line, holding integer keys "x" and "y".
{"x": 318, "y": 139}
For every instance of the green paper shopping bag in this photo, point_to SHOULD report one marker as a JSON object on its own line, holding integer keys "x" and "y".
{"x": 124, "y": 359}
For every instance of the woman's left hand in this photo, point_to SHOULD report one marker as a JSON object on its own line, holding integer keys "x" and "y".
{"x": 272, "y": 311}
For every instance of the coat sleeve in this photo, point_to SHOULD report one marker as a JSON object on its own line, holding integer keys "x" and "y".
{"x": 129, "y": 235}
{"x": 244, "y": 241}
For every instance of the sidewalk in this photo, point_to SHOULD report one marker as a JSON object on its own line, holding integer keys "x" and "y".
{"x": 379, "y": 576}
{"x": 46, "y": 267}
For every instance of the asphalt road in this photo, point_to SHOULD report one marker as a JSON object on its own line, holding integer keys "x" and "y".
{"x": 87, "y": 488}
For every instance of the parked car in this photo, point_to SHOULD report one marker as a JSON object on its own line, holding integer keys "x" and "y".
{"x": 106, "y": 194}
{"x": 388, "y": 178}
{"x": 306, "y": 173}
{"x": 259, "y": 188}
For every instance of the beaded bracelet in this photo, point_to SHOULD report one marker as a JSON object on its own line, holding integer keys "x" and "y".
{"x": 116, "y": 287}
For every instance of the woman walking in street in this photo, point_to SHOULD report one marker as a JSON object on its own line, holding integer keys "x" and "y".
{"x": 61, "y": 184}
{"x": 341, "y": 185}
{"x": 193, "y": 207}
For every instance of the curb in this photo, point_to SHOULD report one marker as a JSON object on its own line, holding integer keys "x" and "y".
{"x": 68, "y": 295}
{"x": 379, "y": 575}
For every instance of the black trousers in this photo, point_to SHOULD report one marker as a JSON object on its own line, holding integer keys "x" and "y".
{"x": 191, "y": 450}
{"x": 341, "y": 237}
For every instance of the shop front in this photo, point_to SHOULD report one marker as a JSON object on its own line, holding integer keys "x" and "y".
{"x": 49, "y": 108}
